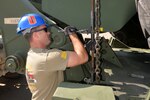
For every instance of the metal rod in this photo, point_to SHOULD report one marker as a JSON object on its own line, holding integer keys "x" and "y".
{"x": 92, "y": 38}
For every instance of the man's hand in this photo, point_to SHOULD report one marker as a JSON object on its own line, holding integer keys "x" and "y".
{"x": 70, "y": 30}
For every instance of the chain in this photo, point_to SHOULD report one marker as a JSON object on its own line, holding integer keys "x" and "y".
{"x": 97, "y": 59}
{"x": 97, "y": 40}
{"x": 95, "y": 47}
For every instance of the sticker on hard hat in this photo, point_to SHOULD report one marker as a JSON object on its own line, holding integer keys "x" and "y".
{"x": 32, "y": 20}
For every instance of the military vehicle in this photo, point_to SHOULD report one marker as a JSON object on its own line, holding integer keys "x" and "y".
{"x": 116, "y": 41}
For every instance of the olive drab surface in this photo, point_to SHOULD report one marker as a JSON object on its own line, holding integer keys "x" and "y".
{"x": 115, "y": 34}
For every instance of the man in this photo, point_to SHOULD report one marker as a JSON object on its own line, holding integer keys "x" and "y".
{"x": 44, "y": 68}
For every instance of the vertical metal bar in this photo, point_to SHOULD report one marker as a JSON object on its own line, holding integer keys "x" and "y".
{"x": 92, "y": 38}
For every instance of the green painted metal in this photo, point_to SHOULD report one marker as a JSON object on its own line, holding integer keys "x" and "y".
{"x": 12, "y": 41}
{"x": 114, "y": 13}
{"x": 148, "y": 95}
{"x": 79, "y": 16}
{"x": 75, "y": 91}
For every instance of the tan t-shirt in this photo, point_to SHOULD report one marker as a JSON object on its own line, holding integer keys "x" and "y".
{"x": 44, "y": 71}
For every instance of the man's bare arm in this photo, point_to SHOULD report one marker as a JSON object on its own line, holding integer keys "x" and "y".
{"x": 79, "y": 55}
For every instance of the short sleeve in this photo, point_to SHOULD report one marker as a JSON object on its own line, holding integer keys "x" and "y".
{"x": 56, "y": 60}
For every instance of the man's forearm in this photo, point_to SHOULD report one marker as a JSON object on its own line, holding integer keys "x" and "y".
{"x": 79, "y": 47}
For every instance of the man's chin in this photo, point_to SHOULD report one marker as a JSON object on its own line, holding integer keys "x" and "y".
{"x": 48, "y": 44}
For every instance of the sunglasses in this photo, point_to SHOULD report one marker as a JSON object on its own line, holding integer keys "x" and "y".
{"x": 43, "y": 29}
{"x": 46, "y": 29}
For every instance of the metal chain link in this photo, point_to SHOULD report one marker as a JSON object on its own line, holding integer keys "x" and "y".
{"x": 97, "y": 45}
{"x": 97, "y": 60}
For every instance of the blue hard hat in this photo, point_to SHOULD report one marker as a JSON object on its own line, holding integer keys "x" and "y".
{"x": 30, "y": 21}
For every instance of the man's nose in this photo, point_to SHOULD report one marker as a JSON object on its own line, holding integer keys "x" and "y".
{"x": 48, "y": 33}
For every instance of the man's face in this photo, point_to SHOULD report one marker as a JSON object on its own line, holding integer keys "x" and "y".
{"x": 43, "y": 36}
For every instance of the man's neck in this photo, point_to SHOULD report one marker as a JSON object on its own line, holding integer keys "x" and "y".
{"x": 37, "y": 45}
